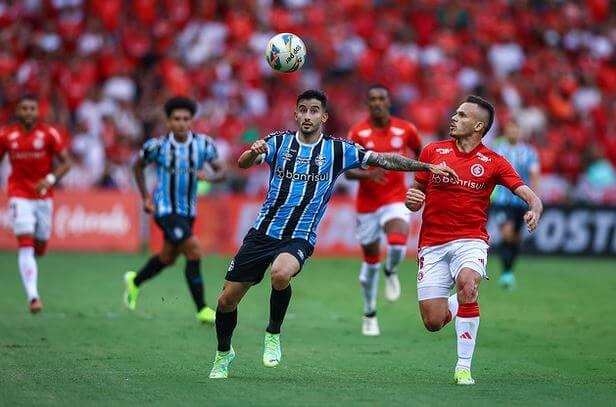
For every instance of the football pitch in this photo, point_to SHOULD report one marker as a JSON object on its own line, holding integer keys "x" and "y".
{"x": 552, "y": 341}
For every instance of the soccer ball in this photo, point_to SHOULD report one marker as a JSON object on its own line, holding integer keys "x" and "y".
{"x": 285, "y": 52}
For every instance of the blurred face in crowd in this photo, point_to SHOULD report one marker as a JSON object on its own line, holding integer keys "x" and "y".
{"x": 27, "y": 112}
{"x": 310, "y": 116}
{"x": 513, "y": 132}
{"x": 468, "y": 120}
{"x": 180, "y": 122}
{"x": 378, "y": 103}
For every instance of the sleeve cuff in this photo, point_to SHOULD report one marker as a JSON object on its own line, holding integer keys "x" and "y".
{"x": 364, "y": 162}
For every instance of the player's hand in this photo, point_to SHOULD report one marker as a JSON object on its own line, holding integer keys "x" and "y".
{"x": 42, "y": 187}
{"x": 148, "y": 206}
{"x": 444, "y": 171}
{"x": 377, "y": 175}
{"x": 415, "y": 199}
{"x": 259, "y": 147}
{"x": 532, "y": 220}
{"x": 202, "y": 176}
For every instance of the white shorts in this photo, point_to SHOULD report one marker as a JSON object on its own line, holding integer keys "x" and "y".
{"x": 440, "y": 265}
{"x": 31, "y": 217}
{"x": 369, "y": 225}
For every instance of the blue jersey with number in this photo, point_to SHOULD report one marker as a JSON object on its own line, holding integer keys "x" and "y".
{"x": 302, "y": 178}
{"x": 177, "y": 165}
{"x": 523, "y": 158}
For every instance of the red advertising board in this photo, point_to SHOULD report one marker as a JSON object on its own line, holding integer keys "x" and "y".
{"x": 87, "y": 221}
{"x": 222, "y": 223}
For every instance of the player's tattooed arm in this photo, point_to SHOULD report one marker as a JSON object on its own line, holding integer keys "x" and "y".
{"x": 139, "y": 173}
{"x": 535, "y": 206}
{"x": 249, "y": 157}
{"x": 397, "y": 162}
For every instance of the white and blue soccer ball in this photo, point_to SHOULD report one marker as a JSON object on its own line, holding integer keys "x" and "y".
{"x": 285, "y": 52}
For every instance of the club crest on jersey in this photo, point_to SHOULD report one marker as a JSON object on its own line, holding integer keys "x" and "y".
{"x": 320, "y": 160}
{"x": 444, "y": 150}
{"x": 396, "y": 142}
{"x": 287, "y": 155}
{"x": 38, "y": 143}
{"x": 483, "y": 158}
{"x": 477, "y": 170}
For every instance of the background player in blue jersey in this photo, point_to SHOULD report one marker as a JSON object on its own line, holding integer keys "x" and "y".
{"x": 304, "y": 166}
{"x": 507, "y": 207}
{"x": 179, "y": 158}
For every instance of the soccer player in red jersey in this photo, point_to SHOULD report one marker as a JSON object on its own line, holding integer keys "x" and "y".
{"x": 32, "y": 148}
{"x": 453, "y": 242}
{"x": 380, "y": 201}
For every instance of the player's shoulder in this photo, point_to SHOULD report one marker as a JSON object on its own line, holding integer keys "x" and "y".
{"x": 204, "y": 138}
{"x": 490, "y": 155}
{"x": 283, "y": 133}
{"x": 405, "y": 125}
{"x": 10, "y": 129}
{"x": 441, "y": 147}
{"x": 155, "y": 142}
{"x": 335, "y": 139}
{"x": 360, "y": 129}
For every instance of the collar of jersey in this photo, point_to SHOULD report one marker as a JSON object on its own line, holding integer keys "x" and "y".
{"x": 464, "y": 154}
{"x": 178, "y": 144}
{"x": 307, "y": 145}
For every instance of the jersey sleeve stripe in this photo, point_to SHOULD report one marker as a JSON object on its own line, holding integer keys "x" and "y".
{"x": 338, "y": 157}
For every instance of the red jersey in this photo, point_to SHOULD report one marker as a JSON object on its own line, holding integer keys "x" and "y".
{"x": 399, "y": 137}
{"x": 31, "y": 156}
{"x": 459, "y": 210}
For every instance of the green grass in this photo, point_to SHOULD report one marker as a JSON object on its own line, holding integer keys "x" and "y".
{"x": 550, "y": 342}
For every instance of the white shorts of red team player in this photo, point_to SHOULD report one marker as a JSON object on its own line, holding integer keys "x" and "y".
{"x": 440, "y": 265}
{"x": 31, "y": 217}
{"x": 370, "y": 225}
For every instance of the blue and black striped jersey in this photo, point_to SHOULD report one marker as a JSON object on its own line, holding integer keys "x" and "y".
{"x": 177, "y": 165}
{"x": 524, "y": 159}
{"x": 302, "y": 178}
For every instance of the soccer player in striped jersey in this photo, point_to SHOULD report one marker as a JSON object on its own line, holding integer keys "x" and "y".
{"x": 304, "y": 166}
{"x": 507, "y": 207}
{"x": 179, "y": 157}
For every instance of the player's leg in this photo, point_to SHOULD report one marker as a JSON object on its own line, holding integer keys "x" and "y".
{"x": 226, "y": 321}
{"x": 288, "y": 262}
{"x": 468, "y": 267}
{"x": 246, "y": 269}
{"x": 155, "y": 264}
{"x": 22, "y": 213}
{"x": 509, "y": 251}
{"x": 395, "y": 219}
{"x": 434, "y": 284}
{"x": 192, "y": 251}
{"x": 368, "y": 234}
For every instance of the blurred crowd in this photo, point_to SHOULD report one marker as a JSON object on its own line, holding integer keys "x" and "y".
{"x": 103, "y": 69}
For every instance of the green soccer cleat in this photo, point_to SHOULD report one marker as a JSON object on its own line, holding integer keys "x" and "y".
{"x": 507, "y": 280}
{"x": 220, "y": 369}
{"x": 463, "y": 377}
{"x": 206, "y": 315}
{"x": 271, "y": 350}
{"x": 132, "y": 291}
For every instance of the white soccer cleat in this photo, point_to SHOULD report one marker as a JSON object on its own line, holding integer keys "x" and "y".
{"x": 370, "y": 327}
{"x": 392, "y": 287}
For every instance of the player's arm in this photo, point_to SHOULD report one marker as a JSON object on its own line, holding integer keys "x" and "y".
{"x": 377, "y": 175}
{"x": 139, "y": 173}
{"x": 535, "y": 206}
{"x": 397, "y": 162}
{"x": 256, "y": 154}
{"x": 218, "y": 172}
{"x": 415, "y": 196}
{"x": 64, "y": 163}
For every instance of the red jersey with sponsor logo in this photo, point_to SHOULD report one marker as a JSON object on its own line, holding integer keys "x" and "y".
{"x": 399, "y": 137}
{"x": 459, "y": 210}
{"x": 31, "y": 156}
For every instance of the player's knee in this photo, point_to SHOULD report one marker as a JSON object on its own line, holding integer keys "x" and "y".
{"x": 168, "y": 259}
{"x": 226, "y": 302}
{"x": 280, "y": 278}
{"x": 467, "y": 292}
{"x": 433, "y": 324}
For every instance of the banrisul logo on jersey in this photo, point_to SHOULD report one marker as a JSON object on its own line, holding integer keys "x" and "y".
{"x": 312, "y": 176}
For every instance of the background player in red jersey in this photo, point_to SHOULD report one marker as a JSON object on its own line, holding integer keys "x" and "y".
{"x": 453, "y": 242}
{"x": 32, "y": 148}
{"x": 380, "y": 201}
